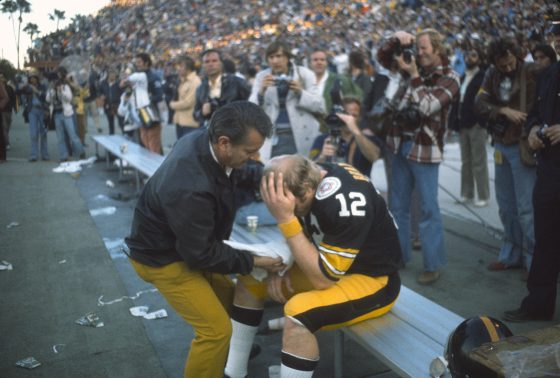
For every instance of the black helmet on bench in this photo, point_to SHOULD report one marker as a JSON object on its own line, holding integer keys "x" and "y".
{"x": 468, "y": 335}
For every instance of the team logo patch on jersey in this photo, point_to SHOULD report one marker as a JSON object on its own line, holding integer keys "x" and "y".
{"x": 328, "y": 186}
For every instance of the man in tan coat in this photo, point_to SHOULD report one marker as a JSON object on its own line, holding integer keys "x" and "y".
{"x": 184, "y": 105}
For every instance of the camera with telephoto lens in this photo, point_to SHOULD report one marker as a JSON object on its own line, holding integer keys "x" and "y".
{"x": 408, "y": 117}
{"x": 542, "y": 136}
{"x": 335, "y": 124}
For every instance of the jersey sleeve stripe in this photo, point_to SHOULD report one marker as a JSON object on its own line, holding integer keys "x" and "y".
{"x": 334, "y": 249}
{"x": 332, "y": 270}
{"x": 341, "y": 254}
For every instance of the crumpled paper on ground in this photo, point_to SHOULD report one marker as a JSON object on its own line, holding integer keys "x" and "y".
{"x": 91, "y": 319}
{"x": 73, "y": 166}
{"x": 28, "y": 363}
{"x": 12, "y": 225}
{"x": 270, "y": 249}
{"x": 143, "y": 311}
{"x": 4, "y": 265}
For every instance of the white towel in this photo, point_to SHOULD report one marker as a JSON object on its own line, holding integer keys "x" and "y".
{"x": 270, "y": 249}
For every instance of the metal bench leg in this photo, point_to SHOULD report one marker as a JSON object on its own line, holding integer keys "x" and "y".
{"x": 120, "y": 169}
{"x": 338, "y": 353}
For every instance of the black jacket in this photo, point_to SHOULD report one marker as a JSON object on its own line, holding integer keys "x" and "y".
{"x": 186, "y": 210}
{"x": 462, "y": 115}
{"x": 546, "y": 109}
{"x": 233, "y": 89}
{"x": 112, "y": 93}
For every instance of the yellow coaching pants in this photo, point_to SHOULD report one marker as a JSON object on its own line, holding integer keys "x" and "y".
{"x": 350, "y": 300}
{"x": 203, "y": 300}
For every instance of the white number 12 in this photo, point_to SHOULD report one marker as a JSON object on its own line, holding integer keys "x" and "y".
{"x": 358, "y": 201}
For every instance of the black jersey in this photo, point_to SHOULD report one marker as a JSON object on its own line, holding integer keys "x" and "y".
{"x": 359, "y": 234}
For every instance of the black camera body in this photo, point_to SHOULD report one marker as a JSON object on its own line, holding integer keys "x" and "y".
{"x": 407, "y": 51}
{"x": 282, "y": 82}
{"x": 542, "y": 136}
{"x": 408, "y": 117}
{"x": 282, "y": 79}
{"x": 334, "y": 125}
{"x": 215, "y": 104}
{"x": 499, "y": 126}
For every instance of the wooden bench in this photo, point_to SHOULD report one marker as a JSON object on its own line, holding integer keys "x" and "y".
{"x": 141, "y": 159}
{"x": 406, "y": 339}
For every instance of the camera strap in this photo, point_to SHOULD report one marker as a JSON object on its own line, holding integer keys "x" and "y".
{"x": 399, "y": 94}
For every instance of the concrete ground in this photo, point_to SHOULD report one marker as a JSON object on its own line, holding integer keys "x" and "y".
{"x": 67, "y": 262}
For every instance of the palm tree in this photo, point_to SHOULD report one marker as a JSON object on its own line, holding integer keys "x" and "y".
{"x": 77, "y": 21}
{"x": 31, "y": 29}
{"x": 57, "y": 15}
{"x": 13, "y": 7}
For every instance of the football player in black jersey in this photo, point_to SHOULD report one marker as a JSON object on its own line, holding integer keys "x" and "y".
{"x": 347, "y": 256}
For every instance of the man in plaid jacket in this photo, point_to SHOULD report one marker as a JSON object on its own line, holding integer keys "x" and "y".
{"x": 415, "y": 142}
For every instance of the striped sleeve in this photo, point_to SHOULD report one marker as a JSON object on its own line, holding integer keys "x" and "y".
{"x": 335, "y": 261}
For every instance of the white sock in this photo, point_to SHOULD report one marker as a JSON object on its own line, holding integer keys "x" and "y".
{"x": 240, "y": 349}
{"x": 288, "y": 372}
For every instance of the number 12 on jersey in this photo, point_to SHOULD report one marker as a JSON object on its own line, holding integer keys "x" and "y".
{"x": 357, "y": 203}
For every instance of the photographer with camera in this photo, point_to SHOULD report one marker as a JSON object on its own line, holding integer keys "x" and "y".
{"x": 415, "y": 143}
{"x": 146, "y": 90}
{"x": 217, "y": 88}
{"x": 543, "y": 128}
{"x": 507, "y": 91}
{"x": 346, "y": 142}
{"x": 387, "y": 90}
{"x": 59, "y": 96}
{"x": 290, "y": 97}
{"x": 35, "y": 107}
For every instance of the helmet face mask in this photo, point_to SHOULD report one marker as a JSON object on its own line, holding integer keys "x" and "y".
{"x": 468, "y": 335}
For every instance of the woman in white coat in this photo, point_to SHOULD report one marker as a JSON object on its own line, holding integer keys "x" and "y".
{"x": 290, "y": 97}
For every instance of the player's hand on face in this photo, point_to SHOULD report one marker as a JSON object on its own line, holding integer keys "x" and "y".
{"x": 278, "y": 198}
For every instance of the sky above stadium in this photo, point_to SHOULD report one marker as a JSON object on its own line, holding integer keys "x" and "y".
{"x": 39, "y": 15}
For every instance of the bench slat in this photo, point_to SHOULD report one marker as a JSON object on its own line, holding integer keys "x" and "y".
{"x": 397, "y": 344}
{"x": 434, "y": 320}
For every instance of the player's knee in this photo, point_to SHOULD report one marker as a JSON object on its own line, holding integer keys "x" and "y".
{"x": 293, "y": 330}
